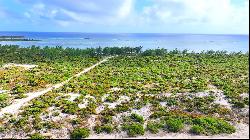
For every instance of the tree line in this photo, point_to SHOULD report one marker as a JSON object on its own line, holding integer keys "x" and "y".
{"x": 9, "y": 53}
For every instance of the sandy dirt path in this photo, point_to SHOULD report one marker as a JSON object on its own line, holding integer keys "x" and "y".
{"x": 17, "y": 104}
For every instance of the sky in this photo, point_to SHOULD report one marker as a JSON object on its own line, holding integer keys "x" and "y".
{"x": 126, "y": 16}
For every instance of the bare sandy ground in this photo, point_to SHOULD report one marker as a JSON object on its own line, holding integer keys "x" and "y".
{"x": 17, "y": 104}
{"x": 242, "y": 130}
{"x": 26, "y": 66}
{"x": 3, "y": 91}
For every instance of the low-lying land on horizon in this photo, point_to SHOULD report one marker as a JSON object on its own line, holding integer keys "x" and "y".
{"x": 16, "y": 38}
{"x": 134, "y": 93}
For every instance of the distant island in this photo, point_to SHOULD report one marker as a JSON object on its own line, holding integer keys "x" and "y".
{"x": 16, "y": 38}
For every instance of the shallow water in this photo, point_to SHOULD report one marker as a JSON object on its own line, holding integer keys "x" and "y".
{"x": 192, "y": 42}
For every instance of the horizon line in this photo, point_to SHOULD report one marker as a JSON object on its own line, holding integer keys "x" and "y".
{"x": 127, "y": 33}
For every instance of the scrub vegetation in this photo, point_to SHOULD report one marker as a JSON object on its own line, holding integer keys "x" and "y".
{"x": 135, "y": 92}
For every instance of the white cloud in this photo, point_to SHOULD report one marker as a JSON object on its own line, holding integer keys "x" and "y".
{"x": 203, "y": 16}
{"x": 125, "y": 9}
{"x": 213, "y": 13}
{"x": 81, "y": 11}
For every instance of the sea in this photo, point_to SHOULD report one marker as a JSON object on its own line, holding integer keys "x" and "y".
{"x": 191, "y": 42}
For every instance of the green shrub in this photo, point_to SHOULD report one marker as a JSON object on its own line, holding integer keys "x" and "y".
{"x": 38, "y": 126}
{"x": 3, "y": 100}
{"x": 3, "y": 97}
{"x": 18, "y": 89}
{"x": 55, "y": 113}
{"x": 1, "y": 129}
{"x": 122, "y": 108}
{"x": 106, "y": 119}
{"x": 196, "y": 129}
{"x": 137, "y": 118}
{"x": 79, "y": 133}
{"x": 108, "y": 112}
{"x": 214, "y": 126}
{"x": 83, "y": 92}
{"x": 51, "y": 125}
{"x": 105, "y": 128}
{"x": 154, "y": 127}
{"x": 70, "y": 108}
{"x": 110, "y": 99}
{"x": 171, "y": 102}
{"x": 75, "y": 121}
{"x": 246, "y": 101}
{"x": 138, "y": 105}
{"x": 36, "y": 136}
{"x": 85, "y": 112}
{"x": 158, "y": 114}
{"x": 174, "y": 125}
{"x": 21, "y": 123}
{"x": 134, "y": 129}
{"x": 239, "y": 104}
{"x": 20, "y": 96}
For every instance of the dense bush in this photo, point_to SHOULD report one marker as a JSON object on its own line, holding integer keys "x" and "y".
{"x": 69, "y": 107}
{"x": 137, "y": 118}
{"x": 3, "y": 100}
{"x": 134, "y": 129}
{"x": 79, "y": 133}
{"x": 198, "y": 130}
{"x": 46, "y": 54}
{"x": 106, "y": 119}
{"x": 174, "y": 124}
{"x": 154, "y": 127}
{"x": 213, "y": 126}
{"x": 104, "y": 128}
{"x": 36, "y": 136}
{"x": 122, "y": 108}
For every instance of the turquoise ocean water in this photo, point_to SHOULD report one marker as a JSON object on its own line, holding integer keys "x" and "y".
{"x": 192, "y": 42}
